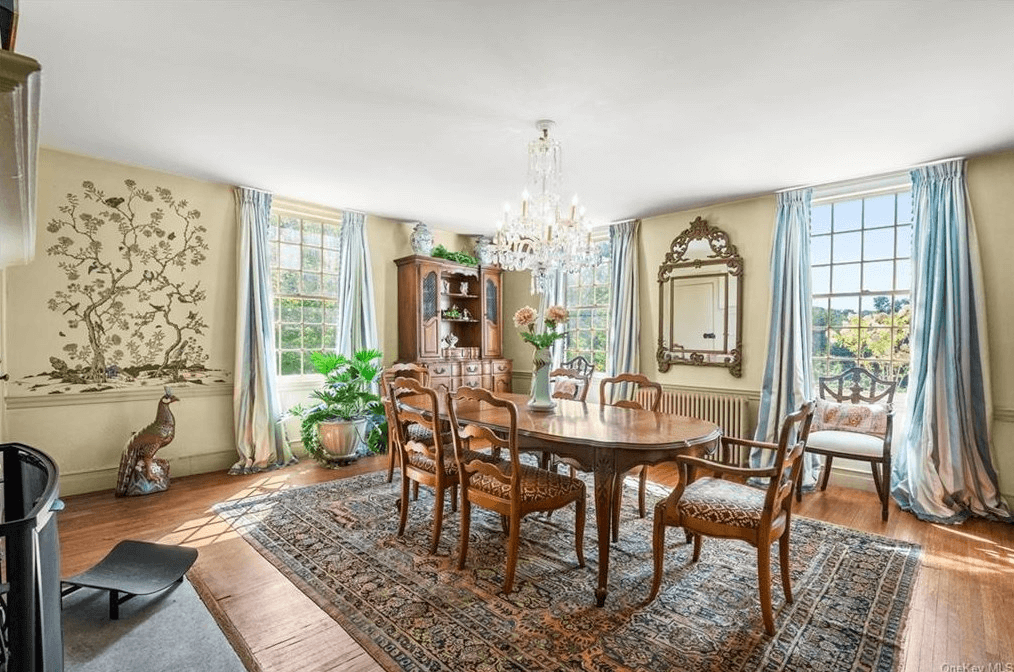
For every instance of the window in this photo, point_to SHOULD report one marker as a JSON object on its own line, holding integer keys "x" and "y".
{"x": 304, "y": 267}
{"x": 588, "y": 294}
{"x": 860, "y": 256}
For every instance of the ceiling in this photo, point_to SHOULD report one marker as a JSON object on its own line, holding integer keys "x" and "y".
{"x": 422, "y": 109}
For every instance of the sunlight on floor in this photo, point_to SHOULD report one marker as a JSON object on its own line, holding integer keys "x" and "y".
{"x": 211, "y": 529}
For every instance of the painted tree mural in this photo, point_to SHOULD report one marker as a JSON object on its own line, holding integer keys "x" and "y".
{"x": 129, "y": 305}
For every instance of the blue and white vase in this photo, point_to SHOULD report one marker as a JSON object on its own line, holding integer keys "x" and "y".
{"x": 422, "y": 239}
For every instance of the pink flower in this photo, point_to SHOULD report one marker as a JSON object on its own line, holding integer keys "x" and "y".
{"x": 524, "y": 317}
{"x": 556, "y": 314}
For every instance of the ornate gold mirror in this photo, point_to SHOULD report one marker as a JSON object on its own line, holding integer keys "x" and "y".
{"x": 700, "y": 301}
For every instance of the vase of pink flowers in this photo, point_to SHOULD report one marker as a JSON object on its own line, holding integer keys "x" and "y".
{"x": 542, "y": 339}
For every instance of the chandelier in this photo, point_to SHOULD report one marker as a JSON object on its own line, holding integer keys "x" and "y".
{"x": 541, "y": 238}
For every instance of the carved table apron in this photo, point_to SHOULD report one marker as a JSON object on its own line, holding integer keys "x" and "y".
{"x": 604, "y": 440}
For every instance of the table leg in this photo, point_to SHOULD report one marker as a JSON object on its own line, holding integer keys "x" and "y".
{"x": 605, "y": 474}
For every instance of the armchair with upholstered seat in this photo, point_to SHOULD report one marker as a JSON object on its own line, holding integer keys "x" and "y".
{"x": 642, "y": 382}
{"x": 716, "y": 507}
{"x": 854, "y": 419}
{"x": 572, "y": 379}
{"x": 508, "y": 487}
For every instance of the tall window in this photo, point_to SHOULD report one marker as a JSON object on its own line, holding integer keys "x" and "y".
{"x": 588, "y": 294}
{"x": 860, "y": 253}
{"x": 304, "y": 267}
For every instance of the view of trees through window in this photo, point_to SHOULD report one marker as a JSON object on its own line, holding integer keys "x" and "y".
{"x": 860, "y": 256}
{"x": 304, "y": 267}
{"x": 588, "y": 294}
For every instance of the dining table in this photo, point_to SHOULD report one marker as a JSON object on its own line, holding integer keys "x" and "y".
{"x": 602, "y": 439}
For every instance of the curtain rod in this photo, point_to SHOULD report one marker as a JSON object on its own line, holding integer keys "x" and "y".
{"x": 890, "y": 173}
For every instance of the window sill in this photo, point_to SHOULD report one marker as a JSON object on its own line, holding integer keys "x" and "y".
{"x": 299, "y": 383}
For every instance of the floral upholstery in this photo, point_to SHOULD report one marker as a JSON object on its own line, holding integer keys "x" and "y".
{"x": 427, "y": 463}
{"x": 536, "y": 484}
{"x": 845, "y": 417}
{"x": 566, "y": 389}
{"x": 720, "y": 501}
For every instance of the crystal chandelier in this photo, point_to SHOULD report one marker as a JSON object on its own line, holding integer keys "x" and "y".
{"x": 541, "y": 239}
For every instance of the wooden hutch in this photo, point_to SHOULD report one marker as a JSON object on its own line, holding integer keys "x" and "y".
{"x": 429, "y": 291}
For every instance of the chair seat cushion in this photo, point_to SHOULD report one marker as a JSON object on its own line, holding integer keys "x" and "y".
{"x": 851, "y": 443}
{"x": 427, "y": 463}
{"x": 845, "y": 417}
{"x": 536, "y": 484}
{"x": 720, "y": 501}
{"x": 417, "y": 432}
{"x": 565, "y": 389}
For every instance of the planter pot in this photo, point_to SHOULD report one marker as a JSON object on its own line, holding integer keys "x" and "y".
{"x": 340, "y": 439}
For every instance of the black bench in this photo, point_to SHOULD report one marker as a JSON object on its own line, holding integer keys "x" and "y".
{"x": 133, "y": 568}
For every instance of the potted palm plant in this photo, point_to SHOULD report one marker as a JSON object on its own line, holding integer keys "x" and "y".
{"x": 350, "y": 413}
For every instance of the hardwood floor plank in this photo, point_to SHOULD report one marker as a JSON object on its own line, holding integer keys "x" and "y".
{"x": 960, "y": 605}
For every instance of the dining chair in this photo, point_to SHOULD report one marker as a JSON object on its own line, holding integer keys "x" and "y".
{"x": 507, "y": 487}
{"x": 427, "y": 461}
{"x": 854, "y": 419}
{"x": 641, "y": 382}
{"x": 401, "y": 370}
{"x": 715, "y": 507}
{"x": 572, "y": 379}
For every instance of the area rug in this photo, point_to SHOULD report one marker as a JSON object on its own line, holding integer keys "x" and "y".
{"x": 415, "y": 611}
{"x": 163, "y": 632}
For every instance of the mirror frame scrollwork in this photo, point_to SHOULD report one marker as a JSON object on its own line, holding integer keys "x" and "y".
{"x": 723, "y": 252}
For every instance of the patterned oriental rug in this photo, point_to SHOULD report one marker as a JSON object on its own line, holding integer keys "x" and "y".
{"x": 414, "y": 611}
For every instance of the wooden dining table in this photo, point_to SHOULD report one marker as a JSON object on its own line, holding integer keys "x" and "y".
{"x": 604, "y": 440}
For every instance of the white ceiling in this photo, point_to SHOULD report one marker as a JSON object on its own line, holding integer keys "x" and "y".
{"x": 423, "y": 109}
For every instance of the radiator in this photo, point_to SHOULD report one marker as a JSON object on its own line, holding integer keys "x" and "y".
{"x": 728, "y": 411}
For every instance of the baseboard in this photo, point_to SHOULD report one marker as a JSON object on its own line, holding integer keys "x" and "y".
{"x": 105, "y": 479}
{"x": 856, "y": 479}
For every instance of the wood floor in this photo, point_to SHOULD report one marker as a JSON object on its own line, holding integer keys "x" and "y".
{"x": 960, "y": 612}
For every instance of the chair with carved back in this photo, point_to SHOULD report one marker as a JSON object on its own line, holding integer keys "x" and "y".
{"x": 507, "y": 487}
{"x": 854, "y": 419}
{"x": 641, "y": 382}
{"x": 402, "y": 370}
{"x": 716, "y": 507}
{"x": 572, "y": 379}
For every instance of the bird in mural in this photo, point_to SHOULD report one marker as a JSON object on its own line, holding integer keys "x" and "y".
{"x": 114, "y": 202}
{"x": 141, "y": 472}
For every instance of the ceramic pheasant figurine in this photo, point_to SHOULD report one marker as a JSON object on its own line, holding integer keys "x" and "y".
{"x": 141, "y": 473}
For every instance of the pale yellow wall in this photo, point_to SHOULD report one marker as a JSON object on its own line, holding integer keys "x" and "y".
{"x": 85, "y": 433}
{"x": 991, "y": 191}
{"x": 749, "y": 224}
{"x": 517, "y": 293}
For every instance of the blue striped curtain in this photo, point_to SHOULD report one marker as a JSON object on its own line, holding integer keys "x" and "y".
{"x": 943, "y": 470}
{"x": 259, "y": 439}
{"x": 357, "y": 316}
{"x": 623, "y": 355}
{"x": 788, "y": 378}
